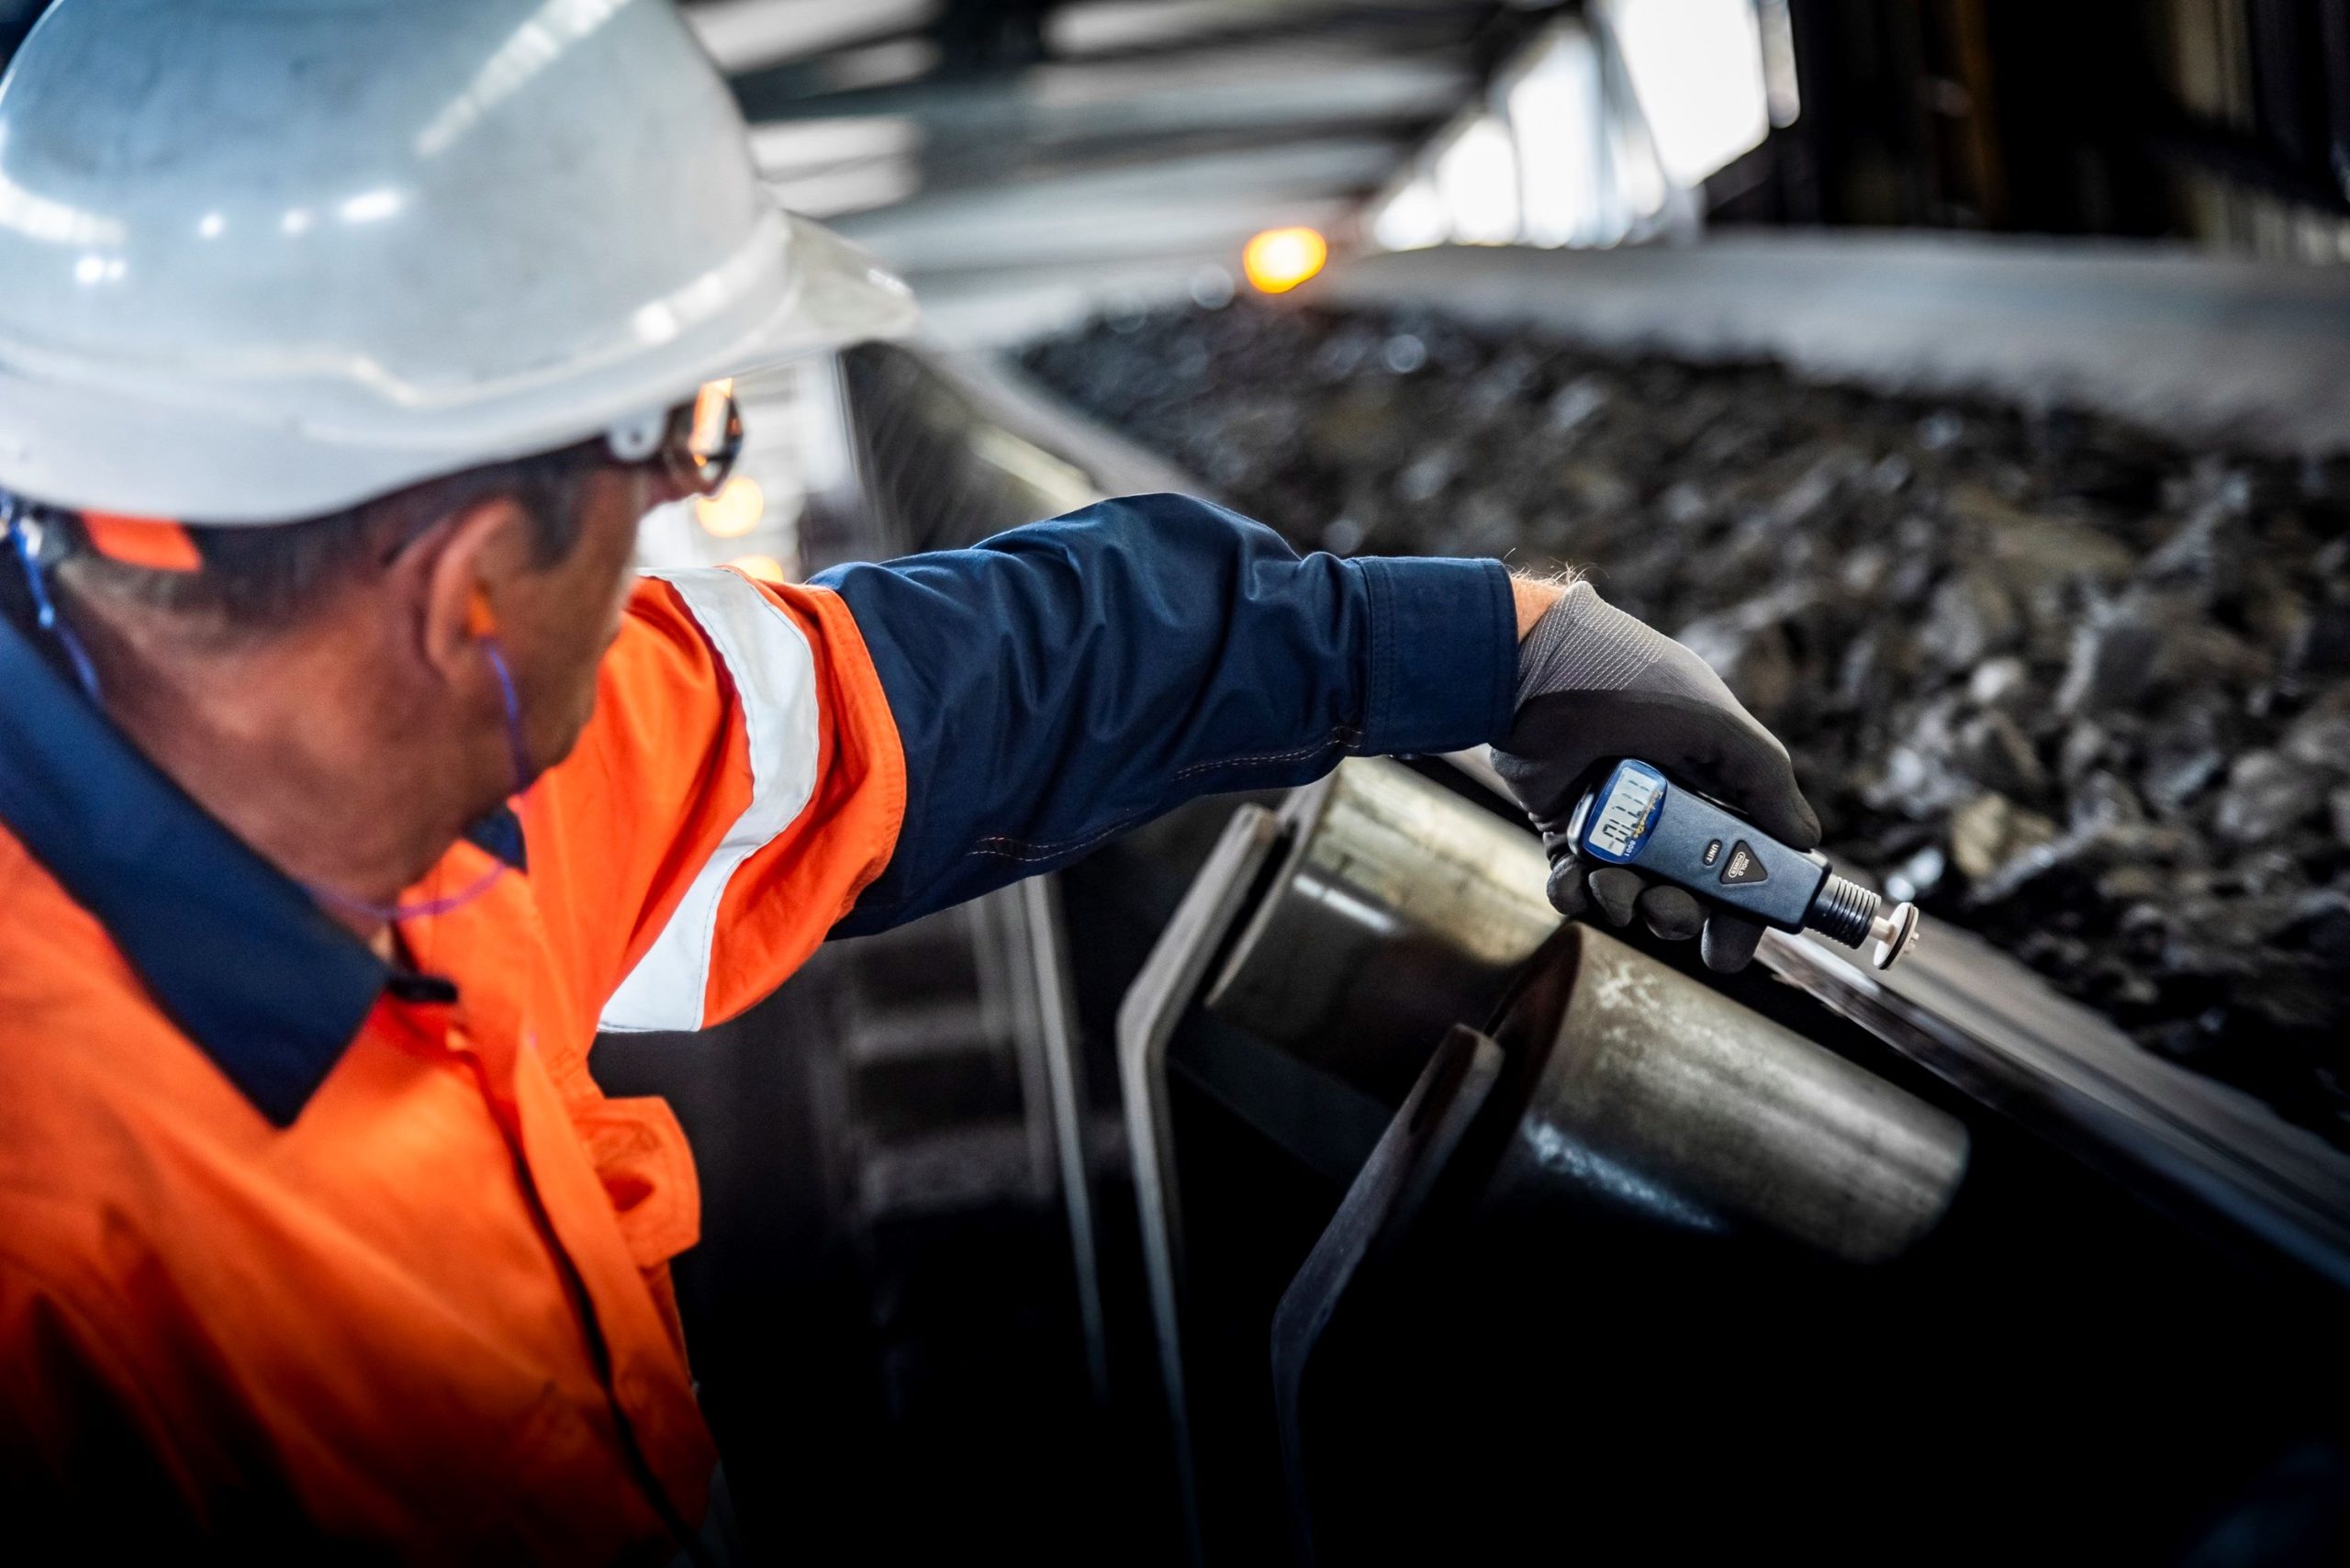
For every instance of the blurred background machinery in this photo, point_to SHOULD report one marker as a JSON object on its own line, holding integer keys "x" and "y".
{"x": 1015, "y": 156}
{"x": 1008, "y": 149}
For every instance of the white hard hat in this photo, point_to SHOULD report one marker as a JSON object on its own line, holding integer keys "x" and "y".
{"x": 262, "y": 261}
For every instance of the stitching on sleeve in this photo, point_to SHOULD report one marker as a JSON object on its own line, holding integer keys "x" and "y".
{"x": 1343, "y": 735}
{"x": 1013, "y": 849}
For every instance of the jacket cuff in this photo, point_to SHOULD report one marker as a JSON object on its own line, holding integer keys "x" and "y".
{"x": 1443, "y": 654}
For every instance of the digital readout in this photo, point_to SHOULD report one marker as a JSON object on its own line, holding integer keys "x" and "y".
{"x": 1625, "y": 816}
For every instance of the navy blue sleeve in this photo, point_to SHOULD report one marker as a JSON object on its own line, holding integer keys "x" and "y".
{"x": 1060, "y": 683}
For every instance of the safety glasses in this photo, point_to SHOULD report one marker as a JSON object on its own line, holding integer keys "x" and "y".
{"x": 692, "y": 448}
{"x": 705, "y": 439}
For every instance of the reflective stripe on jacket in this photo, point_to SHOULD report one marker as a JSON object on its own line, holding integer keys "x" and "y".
{"x": 293, "y": 1244}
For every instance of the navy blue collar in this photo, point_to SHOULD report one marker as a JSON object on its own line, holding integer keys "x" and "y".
{"x": 234, "y": 950}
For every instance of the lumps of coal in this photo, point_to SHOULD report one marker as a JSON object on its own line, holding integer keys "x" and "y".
{"x": 2081, "y": 690}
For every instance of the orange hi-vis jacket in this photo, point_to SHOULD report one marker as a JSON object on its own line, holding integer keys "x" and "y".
{"x": 297, "y": 1246}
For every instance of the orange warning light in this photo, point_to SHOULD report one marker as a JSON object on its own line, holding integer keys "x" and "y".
{"x": 1280, "y": 259}
{"x": 758, "y": 569}
{"x": 734, "y": 511}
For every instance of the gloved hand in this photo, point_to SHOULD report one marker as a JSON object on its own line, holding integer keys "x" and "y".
{"x": 1595, "y": 685}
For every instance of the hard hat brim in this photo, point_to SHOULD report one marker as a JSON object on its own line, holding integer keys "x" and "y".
{"x": 103, "y": 451}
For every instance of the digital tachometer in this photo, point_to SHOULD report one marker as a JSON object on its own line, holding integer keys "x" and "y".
{"x": 1637, "y": 817}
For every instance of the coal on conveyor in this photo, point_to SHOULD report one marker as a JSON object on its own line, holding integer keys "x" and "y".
{"x": 2065, "y": 683}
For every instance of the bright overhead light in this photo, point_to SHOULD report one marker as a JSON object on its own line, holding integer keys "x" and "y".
{"x": 1558, "y": 113}
{"x": 373, "y": 206}
{"x": 1280, "y": 259}
{"x": 1411, "y": 219}
{"x": 1697, "y": 67}
{"x": 1477, "y": 177}
{"x": 734, "y": 511}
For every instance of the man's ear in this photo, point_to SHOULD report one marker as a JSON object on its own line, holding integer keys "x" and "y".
{"x": 485, "y": 546}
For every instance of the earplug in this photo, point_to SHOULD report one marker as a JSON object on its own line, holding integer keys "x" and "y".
{"x": 479, "y": 618}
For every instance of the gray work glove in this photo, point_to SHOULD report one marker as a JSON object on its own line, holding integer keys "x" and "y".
{"x": 1595, "y": 685}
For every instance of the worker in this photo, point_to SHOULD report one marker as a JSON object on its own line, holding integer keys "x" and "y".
{"x": 349, "y": 781}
